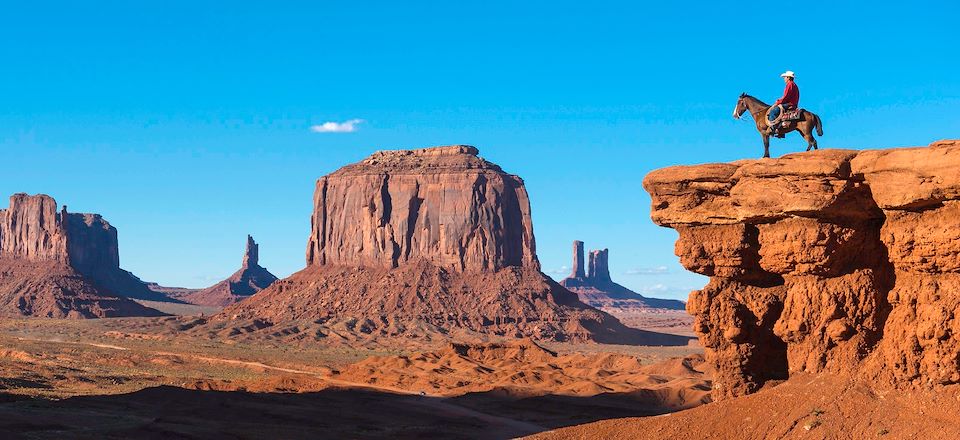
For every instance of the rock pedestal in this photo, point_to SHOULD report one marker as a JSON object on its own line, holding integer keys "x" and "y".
{"x": 830, "y": 261}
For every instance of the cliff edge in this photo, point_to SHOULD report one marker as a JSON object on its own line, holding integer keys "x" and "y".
{"x": 833, "y": 261}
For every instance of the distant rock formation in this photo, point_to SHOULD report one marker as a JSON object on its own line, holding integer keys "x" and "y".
{"x": 599, "y": 270}
{"x": 60, "y": 264}
{"x": 832, "y": 261}
{"x": 435, "y": 238}
{"x": 598, "y": 289}
{"x": 250, "y": 279}
{"x": 444, "y": 205}
{"x": 577, "y": 260}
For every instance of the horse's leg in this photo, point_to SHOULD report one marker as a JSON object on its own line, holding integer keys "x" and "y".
{"x": 766, "y": 145}
{"x": 811, "y": 142}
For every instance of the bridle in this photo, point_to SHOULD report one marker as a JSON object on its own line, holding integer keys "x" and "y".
{"x": 737, "y": 112}
{"x": 745, "y": 109}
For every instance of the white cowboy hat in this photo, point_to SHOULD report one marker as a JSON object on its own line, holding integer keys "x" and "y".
{"x": 788, "y": 73}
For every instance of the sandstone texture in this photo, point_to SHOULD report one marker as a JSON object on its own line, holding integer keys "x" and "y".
{"x": 445, "y": 205}
{"x": 59, "y": 264}
{"x": 250, "y": 279}
{"x": 830, "y": 261}
{"x": 432, "y": 240}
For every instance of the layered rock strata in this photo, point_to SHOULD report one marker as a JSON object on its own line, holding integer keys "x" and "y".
{"x": 59, "y": 264}
{"x": 831, "y": 261}
{"x": 250, "y": 279}
{"x": 437, "y": 237}
{"x": 444, "y": 205}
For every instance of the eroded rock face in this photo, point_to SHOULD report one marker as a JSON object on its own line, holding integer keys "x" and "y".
{"x": 577, "y": 271}
{"x": 61, "y": 264}
{"x": 444, "y": 205}
{"x": 830, "y": 261}
{"x": 599, "y": 266}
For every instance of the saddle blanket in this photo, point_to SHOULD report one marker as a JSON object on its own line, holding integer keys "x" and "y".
{"x": 792, "y": 115}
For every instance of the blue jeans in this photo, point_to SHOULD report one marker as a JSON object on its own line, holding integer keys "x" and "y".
{"x": 774, "y": 113}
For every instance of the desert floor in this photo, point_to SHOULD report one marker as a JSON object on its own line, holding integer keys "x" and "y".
{"x": 149, "y": 378}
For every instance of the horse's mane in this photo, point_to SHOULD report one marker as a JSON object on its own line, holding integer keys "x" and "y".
{"x": 746, "y": 96}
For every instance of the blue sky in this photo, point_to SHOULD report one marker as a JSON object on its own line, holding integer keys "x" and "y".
{"x": 187, "y": 124}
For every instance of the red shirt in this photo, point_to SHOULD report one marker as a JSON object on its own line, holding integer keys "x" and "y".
{"x": 791, "y": 95}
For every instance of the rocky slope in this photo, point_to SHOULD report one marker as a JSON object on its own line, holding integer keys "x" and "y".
{"x": 60, "y": 264}
{"x": 437, "y": 237}
{"x": 832, "y": 261}
{"x": 250, "y": 279}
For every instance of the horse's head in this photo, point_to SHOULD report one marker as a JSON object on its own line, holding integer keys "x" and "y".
{"x": 741, "y": 107}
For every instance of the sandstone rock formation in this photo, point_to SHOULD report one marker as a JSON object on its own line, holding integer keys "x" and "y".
{"x": 444, "y": 205}
{"x": 250, "y": 279}
{"x": 577, "y": 271}
{"x": 435, "y": 237}
{"x": 598, "y": 268}
{"x": 598, "y": 289}
{"x": 830, "y": 261}
{"x": 60, "y": 264}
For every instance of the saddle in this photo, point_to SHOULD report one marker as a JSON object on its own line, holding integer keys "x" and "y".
{"x": 788, "y": 113}
{"x": 792, "y": 115}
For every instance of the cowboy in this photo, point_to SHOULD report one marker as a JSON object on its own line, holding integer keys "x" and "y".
{"x": 789, "y": 101}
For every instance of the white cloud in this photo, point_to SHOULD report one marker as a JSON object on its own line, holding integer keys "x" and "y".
{"x": 563, "y": 270}
{"x": 337, "y": 127}
{"x": 656, "y": 288}
{"x": 659, "y": 270}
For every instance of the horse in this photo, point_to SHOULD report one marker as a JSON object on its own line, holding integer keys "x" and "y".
{"x": 758, "y": 109}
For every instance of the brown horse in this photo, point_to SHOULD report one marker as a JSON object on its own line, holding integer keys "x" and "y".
{"x": 808, "y": 121}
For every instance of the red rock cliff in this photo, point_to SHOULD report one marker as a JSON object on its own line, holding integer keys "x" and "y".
{"x": 831, "y": 261}
{"x": 443, "y": 205}
{"x": 32, "y": 229}
{"x": 62, "y": 264}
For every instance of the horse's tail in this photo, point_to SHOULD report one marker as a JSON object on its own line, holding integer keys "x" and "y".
{"x": 819, "y": 126}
